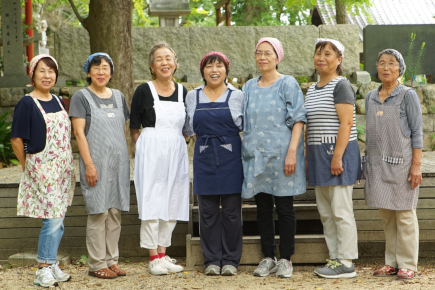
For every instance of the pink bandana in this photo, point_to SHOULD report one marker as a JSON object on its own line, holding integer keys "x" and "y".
{"x": 34, "y": 63}
{"x": 276, "y": 44}
{"x": 214, "y": 53}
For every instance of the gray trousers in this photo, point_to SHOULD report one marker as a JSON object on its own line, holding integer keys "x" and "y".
{"x": 221, "y": 237}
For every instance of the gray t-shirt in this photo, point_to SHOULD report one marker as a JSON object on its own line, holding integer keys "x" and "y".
{"x": 79, "y": 106}
{"x": 343, "y": 92}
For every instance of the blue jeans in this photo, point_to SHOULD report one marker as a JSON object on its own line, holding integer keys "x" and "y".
{"x": 49, "y": 240}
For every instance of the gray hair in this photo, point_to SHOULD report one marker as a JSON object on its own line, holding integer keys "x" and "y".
{"x": 158, "y": 45}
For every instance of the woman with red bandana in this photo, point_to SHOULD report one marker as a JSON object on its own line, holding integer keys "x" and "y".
{"x": 215, "y": 115}
{"x": 41, "y": 133}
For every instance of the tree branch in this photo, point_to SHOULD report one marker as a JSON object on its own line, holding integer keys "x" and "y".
{"x": 82, "y": 20}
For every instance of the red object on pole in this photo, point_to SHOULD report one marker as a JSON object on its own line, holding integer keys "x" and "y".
{"x": 29, "y": 21}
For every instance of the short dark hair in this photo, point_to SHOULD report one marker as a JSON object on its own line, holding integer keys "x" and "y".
{"x": 50, "y": 63}
{"x": 97, "y": 61}
{"x": 322, "y": 45}
{"x": 212, "y": 59}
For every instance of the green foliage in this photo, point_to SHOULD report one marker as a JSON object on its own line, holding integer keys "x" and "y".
{"x": 361, "y": 130}
{"x": 302, "y": 80}
{"x": 141, "y": 17}
{"x": 413, "y": 59}
{"x": 202, "y": 14}
{"x": 83, "y": 260}
{"x": 7, "y": 154}
{"x": 127, "y": 260}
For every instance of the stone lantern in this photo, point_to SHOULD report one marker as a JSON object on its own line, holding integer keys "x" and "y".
{"x": 168, "y": 11}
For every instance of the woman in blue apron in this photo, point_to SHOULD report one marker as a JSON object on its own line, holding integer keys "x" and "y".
{"x": 215, "y": 115}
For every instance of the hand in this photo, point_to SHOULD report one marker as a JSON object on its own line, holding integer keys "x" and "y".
{"x": 23, "y": 167}
{"x": 91, "y": 175}
{"x": 336, "y": 166}
{"x": 290, "y": 163}
{"x": 415, "y": 176}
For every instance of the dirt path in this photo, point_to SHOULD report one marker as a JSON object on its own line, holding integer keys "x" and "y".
{"x": 139, "y": 278}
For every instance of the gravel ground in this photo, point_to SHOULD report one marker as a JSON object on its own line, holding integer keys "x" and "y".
{"x": 139, "y": 278}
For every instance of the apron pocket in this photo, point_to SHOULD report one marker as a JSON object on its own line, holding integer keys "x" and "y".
{"x": 391, "y": 171}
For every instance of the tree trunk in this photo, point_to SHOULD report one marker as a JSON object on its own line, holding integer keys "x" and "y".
{"x": 341, "y": 12}
{"x": 109, "y": 25}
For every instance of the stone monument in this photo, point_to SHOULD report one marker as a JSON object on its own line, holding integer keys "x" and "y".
{"x": 169, "y": 11}
{"x": 12, "y": 36}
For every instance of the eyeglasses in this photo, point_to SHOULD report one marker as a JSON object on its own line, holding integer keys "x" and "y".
{"x": 389, "y": 64}
{"x": 266, "y": 53}
{"x": 98, "y": 69}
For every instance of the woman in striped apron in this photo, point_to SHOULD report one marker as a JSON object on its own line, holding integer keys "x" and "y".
{"x": 98, "y": 115}
{"x": 161, "y": 164}
{"x": 215, "y": 115}
{"x": 394, "y": 140}
{"x": 41, "y": 134}
{"x": 333, "y": 157}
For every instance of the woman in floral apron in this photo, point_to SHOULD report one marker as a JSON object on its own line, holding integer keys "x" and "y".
{"x": 40, "y": 138}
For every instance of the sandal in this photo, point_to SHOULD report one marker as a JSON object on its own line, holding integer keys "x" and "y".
{"x": 405, "y": 274}
{"x": 103, "y": 274}
{"x": 115, "y": 268}
{"x": 385, "y": 271}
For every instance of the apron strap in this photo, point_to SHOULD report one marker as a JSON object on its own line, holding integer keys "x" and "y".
{"x": 118, "y": 98}
{"x": 180, "y": 93}
{"x": 60, "y": 103}
{"x": 89, "y": 98}
{"x": 197, "y": 97}
{"x": 38, "y": 104}
{"x": 228, "y": 96}
{"x": 401, "y": 96}
{"x": 153, "y": 91}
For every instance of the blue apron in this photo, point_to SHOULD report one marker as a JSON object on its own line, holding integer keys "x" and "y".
{"x": 217, "y": 160}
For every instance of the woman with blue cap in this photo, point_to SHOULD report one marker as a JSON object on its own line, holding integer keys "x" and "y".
{"x": 98, "y": 115}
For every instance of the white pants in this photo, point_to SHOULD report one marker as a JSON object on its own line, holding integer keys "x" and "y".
{"x": 154, "y": 233}
{"x": 335, "y": 206}
{"x": 401, "y": 238}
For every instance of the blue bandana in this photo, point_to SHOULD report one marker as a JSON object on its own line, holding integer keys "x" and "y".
{"x": 87, "y": 63}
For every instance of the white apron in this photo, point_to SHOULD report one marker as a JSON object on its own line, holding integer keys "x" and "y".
{"x": 161, "y": 164}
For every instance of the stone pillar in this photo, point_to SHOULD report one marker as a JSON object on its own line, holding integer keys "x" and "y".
{"x": 12, "y": 35}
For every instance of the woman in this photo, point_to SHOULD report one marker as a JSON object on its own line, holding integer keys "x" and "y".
{"x": 40, "y": 137}
{"x": 98, "y": 115}
{"x": 273, "y": 154}
{"x": 215, "y": 115}
{"x": 161, "y": 164}
{"x": 394, "y": 140}
{"x": 333, "y": 157}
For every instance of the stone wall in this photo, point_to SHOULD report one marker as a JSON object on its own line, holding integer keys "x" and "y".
{"x": 192, "y": 43}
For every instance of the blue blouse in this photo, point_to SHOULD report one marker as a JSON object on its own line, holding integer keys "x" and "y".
{"x": 269, "y": 116}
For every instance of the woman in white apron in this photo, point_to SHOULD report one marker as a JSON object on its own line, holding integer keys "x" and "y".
{"x": 41, "y": 134}
{"x": 161, "y": 165}
{"x": 99, "y": 114}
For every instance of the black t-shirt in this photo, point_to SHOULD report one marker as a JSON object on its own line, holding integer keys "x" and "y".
{"x": 142, "y": 106}
{"x": 29, "y": 124}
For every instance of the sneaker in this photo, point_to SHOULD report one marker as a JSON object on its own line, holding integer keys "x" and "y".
{"x": 405, "y": 274}
{"x": 58, "y": 274}
{"x": 229, "y": 270}
{"x": 335, "y": 269}
{"x": 45, "y": 278}
{"x": 169, "y": 264}
{"x": 385, "y": 271}
{"x": 212, "y": 270}
{"x": 284, "y": 268}
{"x": 156, "y": 267}
{"x": 266, "y": 267}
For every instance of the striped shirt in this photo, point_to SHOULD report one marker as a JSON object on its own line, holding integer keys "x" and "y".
{"x": 322, "y": 118}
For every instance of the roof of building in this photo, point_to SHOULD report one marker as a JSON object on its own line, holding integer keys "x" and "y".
{"x": 384, "y": 12}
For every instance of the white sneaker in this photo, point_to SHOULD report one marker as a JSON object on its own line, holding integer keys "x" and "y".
{"x": 170, "y": 264}
{"x": 156, "y": 267}
{"x": 58, "y": 274}
{"x": 45, "y": 278}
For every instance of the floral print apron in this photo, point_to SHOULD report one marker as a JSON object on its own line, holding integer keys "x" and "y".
{"x": 48, "y": 183}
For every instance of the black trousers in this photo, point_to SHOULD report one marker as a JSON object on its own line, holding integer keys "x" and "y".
{"x": 221, "y": 237}
{"x": 266, "y": 225}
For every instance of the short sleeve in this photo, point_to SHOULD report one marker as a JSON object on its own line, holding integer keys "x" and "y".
{"x": 21, "y": 122}
{"x": 125, "y": 108}
{"x": 344, "y": 93}
{"x": 294, "y": 100}
{"x": 78, "y": 106}
{"x": 190, "y": 104}
{"x": 135, "y": 119}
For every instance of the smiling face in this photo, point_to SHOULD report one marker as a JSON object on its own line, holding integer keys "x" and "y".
{"x": 326, "y": 60}
{"x": 266, "y": 58}
{"x": 214, "y": 73}
{"x": 388, "y": 68}
{"x": 163, "y": 64}
{"x": 44, "y": 76}
{"x": 100, "y": 74}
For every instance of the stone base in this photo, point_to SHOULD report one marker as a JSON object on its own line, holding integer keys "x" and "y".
{"x": 24, "y": 259}
{"x": 14, "y": 81}
{"x": 360, "y": 77}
